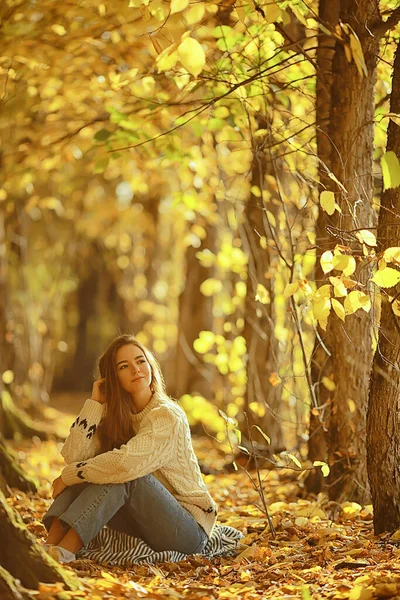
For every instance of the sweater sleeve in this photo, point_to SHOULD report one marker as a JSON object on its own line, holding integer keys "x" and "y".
{"x": 82, "y": 442}
{"x": 150, "y": 449}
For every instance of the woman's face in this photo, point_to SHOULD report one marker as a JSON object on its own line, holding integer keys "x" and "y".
{"x": 133, "y": 369}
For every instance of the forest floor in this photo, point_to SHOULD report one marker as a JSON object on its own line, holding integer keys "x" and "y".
{"x": 321, "y": 550}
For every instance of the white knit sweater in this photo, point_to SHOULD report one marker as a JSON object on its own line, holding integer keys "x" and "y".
{"x": 162, "y": 446}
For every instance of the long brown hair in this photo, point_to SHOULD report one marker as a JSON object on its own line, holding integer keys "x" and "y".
{"x": 116, "y": 426}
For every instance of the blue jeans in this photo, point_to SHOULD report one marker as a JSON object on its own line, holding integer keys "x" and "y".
{"x": 141, "y": 508}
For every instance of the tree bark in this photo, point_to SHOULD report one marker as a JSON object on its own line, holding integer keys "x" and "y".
{"x": 11, "y": 474}
{"x": 195, "y": 315}
{"x": 383, "y": 426}
{"x": 320, "y": 403}
{"x": 10, "y": 588}
{"x": 351, "y": 163}
{"x": 22, "y": 557}
{"x": 261, "y": 344}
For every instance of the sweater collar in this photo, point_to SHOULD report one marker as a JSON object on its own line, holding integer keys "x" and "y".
{"x": 137, "y": 417}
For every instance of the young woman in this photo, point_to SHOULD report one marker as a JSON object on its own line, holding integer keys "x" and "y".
{"x": 130, "y": 464}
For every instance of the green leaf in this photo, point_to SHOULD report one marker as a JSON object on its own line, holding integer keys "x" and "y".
{"x": 102, "y": 135}
{"x": 387, "y": 277}
{"x": 305, "y": 593}
{"x": 390, "y": 170}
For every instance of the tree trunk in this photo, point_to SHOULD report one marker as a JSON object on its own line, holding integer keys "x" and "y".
{"x": 383, "y": 427}
{"x": 22, "y": 557}
{"x": 11, "y": 474}
{"x": 11, "y": 589}
{"x": 351, "y": 162}
{"x": 262, "y": 347}
{"x": 15, "y": 421}
{"x": 195, "y": 315}
{"x": 320, "y": 402}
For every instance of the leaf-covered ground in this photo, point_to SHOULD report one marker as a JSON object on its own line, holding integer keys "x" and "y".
{"x": 321, "y": 550}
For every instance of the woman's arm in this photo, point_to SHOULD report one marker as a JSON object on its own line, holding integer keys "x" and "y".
{"x": 82, "y": 442}
{"x": 149, "y": 450}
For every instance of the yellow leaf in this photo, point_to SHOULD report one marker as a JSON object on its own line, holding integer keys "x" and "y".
{"x": 290, "y": 289}
{"x": 366, "y": 237}
{"x": 191, "y": 55}
{"x": 211, "y": 286}
{"x": 339, "y": 183}
{"x": 356, "y": 300}
{"x": 326, "y": 261}
{"x": 324, "y": 467}
{"x": 338, "y": 308}
{"x": 328, "y": 383}
{"x": 395, "y": 537}
{"x": 59, "y": 29}
{"x": 386, "y": 278}
{"x": 352, "y": 405}
{"x": 396, "y": 307}
{"x": 294, "y": 459}
{"x": 358, "y": 54}
{"x": 272, "y": 12}
{"x": 178, "y": 5}
{"x": 360, "y": 592}
{"x": 262, "y": 294}
{"x": 338, "y": 286}
{"x": 265, "y": 436}
{"x": 395, "y": 118}
{"x": 8, "y": 377}
{"x": 345, "y": 263}
{"x": 390, "y": 170}
{"x": 392, "y": 254}
{"x": 322, "y": 292}
{"x": 195, "y": 13}
{"x": 301, "y": 522}
{"x": 274, "y": 379}
{"x": 167, "y": 58}
{"x": 327, "y": 201}
{"x": 321, "y": 309}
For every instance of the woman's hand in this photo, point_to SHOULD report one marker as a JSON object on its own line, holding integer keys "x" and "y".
{"x": 97, "y": 391}
{"x": 58, "y": 487}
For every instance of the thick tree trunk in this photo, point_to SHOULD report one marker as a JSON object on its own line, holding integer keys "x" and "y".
{"x": 22, "y": 557}
{"x": 320, "y": 402}
{"x": 11, "y": 589}
{"x": 11, "y": 474}
{"x": 351, "y": 162}
{"x": 15, "y": 421}
{"x": 383, "y": 426}
{"x": 195, "y": 315}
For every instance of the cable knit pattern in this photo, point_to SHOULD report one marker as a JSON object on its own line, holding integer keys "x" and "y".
{"x": 162, "y": 446}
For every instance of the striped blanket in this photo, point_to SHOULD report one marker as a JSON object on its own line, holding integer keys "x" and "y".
{"x": 119, "y": 549}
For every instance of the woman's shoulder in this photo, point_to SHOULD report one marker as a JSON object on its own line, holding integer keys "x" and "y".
{"x": 167, "y": 405}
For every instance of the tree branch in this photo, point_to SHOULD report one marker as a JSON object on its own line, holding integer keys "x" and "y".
{"x": 380, "y": 27}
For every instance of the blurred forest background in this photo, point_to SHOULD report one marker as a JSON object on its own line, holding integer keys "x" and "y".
{"x": 220, "y": 178}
